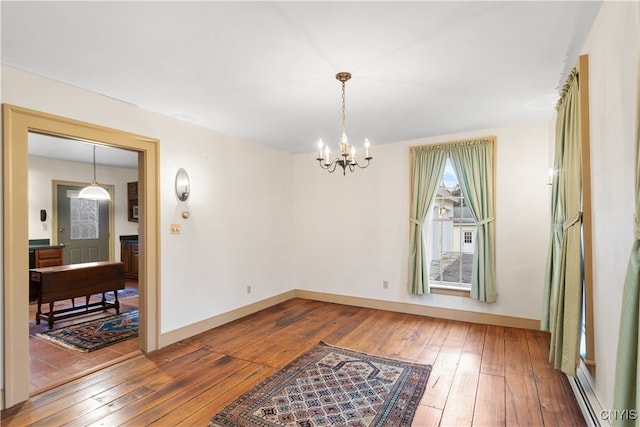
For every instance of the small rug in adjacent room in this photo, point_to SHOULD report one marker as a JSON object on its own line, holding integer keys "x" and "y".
{"x": 95, "y": 334}
{"x": 332, "y": 386}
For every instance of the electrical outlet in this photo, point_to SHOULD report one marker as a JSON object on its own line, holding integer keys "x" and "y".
{"x": 248, "y": 289}
{"x": 175, "y": 228}
{"x": 385, "y": 284}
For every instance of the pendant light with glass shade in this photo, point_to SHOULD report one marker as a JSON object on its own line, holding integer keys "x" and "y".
{"x": 93, "y": 191}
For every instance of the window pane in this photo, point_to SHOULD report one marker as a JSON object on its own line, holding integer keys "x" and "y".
{"x": 452, "y": 235}
{"x": 84, "y": 217}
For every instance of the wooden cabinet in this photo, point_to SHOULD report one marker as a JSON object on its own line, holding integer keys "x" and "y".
{"x": 48, "y": 257}
{"x": 40, "y": 258}
{"x": 129, "y": 256}
{"x": 132, "y": 201}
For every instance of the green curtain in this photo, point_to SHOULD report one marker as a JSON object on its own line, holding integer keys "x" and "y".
{"x": 627, "y": 381}
{"x": 555, "y": 242}
{"x": 427, "y": 168}
{"x": 564, "y": 276}
{"x": 473, "y": 162}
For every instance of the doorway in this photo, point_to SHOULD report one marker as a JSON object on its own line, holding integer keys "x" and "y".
{"x": 17, "y": 123}
{"x": 86, "y": 230}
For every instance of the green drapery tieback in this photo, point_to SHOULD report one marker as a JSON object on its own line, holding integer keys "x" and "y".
{"x": 485, "y": 221}
{"x": 415, "y": 221}
{"x": 574, "y": 219}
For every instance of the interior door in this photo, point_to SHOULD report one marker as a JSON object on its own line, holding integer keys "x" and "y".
{"x": 83, "y": 226}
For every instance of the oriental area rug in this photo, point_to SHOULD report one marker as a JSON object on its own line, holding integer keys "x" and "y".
{"x": 95, "y": 334}
{"x": 332, "y": 386}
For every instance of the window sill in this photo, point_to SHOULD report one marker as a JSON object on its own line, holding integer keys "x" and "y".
{"x": 465, "y": 293}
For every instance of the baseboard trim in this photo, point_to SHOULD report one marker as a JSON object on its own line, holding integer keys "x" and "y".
{"x": 221, "y": 319}
{"x": 423, "y": 310}
{"x": 400, "y": 307}
{"x": 589, "y": 403}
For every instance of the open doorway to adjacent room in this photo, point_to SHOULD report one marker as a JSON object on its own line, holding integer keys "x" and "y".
{"x": 81, "y": 231}
{"x": 18, "y": 122}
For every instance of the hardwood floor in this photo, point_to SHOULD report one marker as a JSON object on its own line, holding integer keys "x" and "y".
{"x": 482, "y": 375}
{"x": 52, "y": 365}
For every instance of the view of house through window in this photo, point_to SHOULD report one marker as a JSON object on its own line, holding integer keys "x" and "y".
{"x": 452, "y": 236}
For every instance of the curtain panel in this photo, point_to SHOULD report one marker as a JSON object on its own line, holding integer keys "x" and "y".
{"x": 564, "y": 273}
{"x": 474, "y": 165}
{"x": 555, "y": 241}
{"x": 627, "y": 381}
{"x": 473, "y": 161}
{"x": 427, "y": 168}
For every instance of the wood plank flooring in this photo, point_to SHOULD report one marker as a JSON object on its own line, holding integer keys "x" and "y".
{"x": 482, "y": 375}
{"x": 51, "y": 364}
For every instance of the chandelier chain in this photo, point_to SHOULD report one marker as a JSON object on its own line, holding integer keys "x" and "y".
{"x": 94, "y": 164}
{"x": 344, "y": 119}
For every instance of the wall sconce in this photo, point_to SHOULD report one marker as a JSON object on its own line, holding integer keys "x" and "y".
{"x": 183, "y": 186}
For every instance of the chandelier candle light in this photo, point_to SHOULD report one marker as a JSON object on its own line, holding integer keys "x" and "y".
{"x": 347, "y": 157}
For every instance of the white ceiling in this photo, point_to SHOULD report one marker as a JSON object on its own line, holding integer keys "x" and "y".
{"x": 265, "y": 71}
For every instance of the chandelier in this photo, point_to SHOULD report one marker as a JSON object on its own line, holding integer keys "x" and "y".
{"x": 347, "y": 157}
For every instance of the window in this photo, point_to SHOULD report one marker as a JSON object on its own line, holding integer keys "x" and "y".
{"x": 84, "y": 218}
{"x": 452, "y": 224}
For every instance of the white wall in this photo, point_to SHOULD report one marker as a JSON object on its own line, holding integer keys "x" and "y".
{"x": 613, "y": 50}
{"x": 239, "y": 229}
{"x": 353, "y": 232}
{"x": 41, "y": 173}
{"x": 241, "y": 210}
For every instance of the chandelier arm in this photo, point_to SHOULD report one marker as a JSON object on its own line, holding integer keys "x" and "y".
{"x": 331, "y": 167}
{"x": 328, "y": 165}
{"x": 362, "y": 167}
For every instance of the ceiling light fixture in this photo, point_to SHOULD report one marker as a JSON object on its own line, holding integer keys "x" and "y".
{"x": 347, "y": 157}
{"x": 94, "y": 191}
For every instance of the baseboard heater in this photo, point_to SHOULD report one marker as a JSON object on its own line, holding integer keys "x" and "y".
{"x": 587, "y": 400}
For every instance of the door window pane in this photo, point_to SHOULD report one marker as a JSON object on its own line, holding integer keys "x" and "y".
{"x": 84, "y": 216}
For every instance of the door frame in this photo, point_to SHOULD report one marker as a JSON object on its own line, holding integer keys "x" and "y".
{"x": 54, "y": 211}
{"x": 17, "y": 123}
